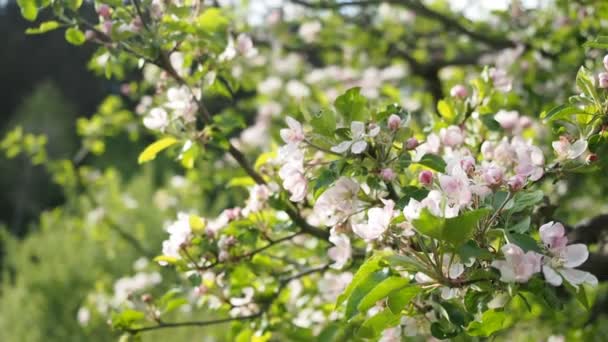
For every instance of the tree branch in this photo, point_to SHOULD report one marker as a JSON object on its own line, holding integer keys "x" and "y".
{"x": 282, "y": 284}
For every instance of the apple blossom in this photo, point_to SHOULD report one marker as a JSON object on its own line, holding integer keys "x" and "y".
{"x": 565, "y": 150}
{"x": 157, "y": 119}
{"x": 451, "y": 136}
{"x": 459, "y": 91}
{"x": 563, "y": 258}
{"x": 358, "y": 144}
{"x": 179, "y": 235}
{"x": 456, "y": 186}
{"x": 338, "y": 202}
{"x": 341, "y": 252}
{"x": 293, "y": 134}
{"x": 387, "y": 174}
{"x": 500, "y": 79}
{"x": 425, "y": 178}
{"x": 394, "y": 122}
{"x": 411, "y": 144}
{"x": 104, "y": 11}
{"x": 378, "y": 220}
{"x": 518, "y": 266}
{"x": 309, "y": 31}
{"x": 603, "y": 79}
{"x": 605, "y": 62}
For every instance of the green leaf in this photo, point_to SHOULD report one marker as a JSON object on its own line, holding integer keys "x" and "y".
{"x": 524, "y": 241}
{"x": 397, "y": 300}
{"x": 381, "y": 291}
{"x": 433, "y": 161}
{"x": 456, "y": 230}
{"x": 429, "y": 224}
{"x": 74, "y": 36}
{"x": 127, "y": 319}
{"x": 490, "y": 122}
{"x": 370, "y": 266}
{"x": 43, "y": 27}
{"x": 376, "y": 324}
{"x": 153, "y": 149}
{"x": 362, "y": 289}
{"x": 460, "y": 228}
{"x": 561, "y": 112}
{"x": 491, "y": 322}
{"x": 446, "y": 110}
{"x": 524, "y": 200}
{"x": 600, "y": 42}
{"x": 521, "y": 227}
{"x": 29, "y": 9}
{"x": 471, "y": 250}
{"x": 73, "y": 4}
{"x": 324, "y": 122}
{"x": 585, "y": 83}
{"x": 212, "y": 20}
{"x": 174, "y": 304}
{"x": 352, "y": 105}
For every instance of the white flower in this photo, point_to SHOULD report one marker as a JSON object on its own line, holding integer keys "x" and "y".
{"x": 297, "y": 89}
{"x": 157, "y": 119}
{"x": 517, "y": 266}
{"x": 248, "y": 293}
{"x": 563, "y": 258}
{"x": 309, "y": 31}
{"x": 451, "y": 136}
{"x": 83, "y": 316}
{"x": 244, "y": 45}
{"x": 509, "y": 120}
{"x": 565, "y": 150}
{"x": 431, "y": 145}
{"x": 456, "y": 186}
{"x": 332, "y": 285}
{"x": 501, "y": 79}
{"x": 270, "y": 85}
{"x": 337, "y": 203}
{"x": 378, "y": 221}
{"x": 293, "y": 134}
{"x": 179, "y": 234}
{"x": 358, "y": 144}
{"x": 341, "y": 252}
{"x": 433, "y": 203}
{"x": 292, "y": 169}
{"x": 180, "y": 100}
{"x": 258, "y": 195}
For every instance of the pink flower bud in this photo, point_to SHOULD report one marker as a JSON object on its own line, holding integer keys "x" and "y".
{"x": 107, "y": 27}
{"x": 425, "y": 177}
{"x": 90, "y": 35}
{"x": 606, "y": 62}
{"x": 591, "y": 158}
{"x": 201, "y": 290}
{"x": 459, "y": 91}
{"x": 516, "y": 183}
{"x": 233, "y": 213}
{"x": 468, "y": 164}
{"x": 125, "y": 89}
{"x": 411, "y": 143}
{"x": 146, "y": 298}
{"x": 387, "y": 174}
{"x": 603, "y": 79}
{"x": 104, "y": 11}
{"x": 394, "y": 122}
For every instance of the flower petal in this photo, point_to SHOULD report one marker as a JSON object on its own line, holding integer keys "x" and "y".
{"x": 551, "y": 276}
{"x": 578, "y": 148}
{"x": 575, "y": 255}
{"x": 574, "y": 277}
{"x": 359, "y": 146}
{"x": 342, "y": 147}
{"x": 357, "y": 129}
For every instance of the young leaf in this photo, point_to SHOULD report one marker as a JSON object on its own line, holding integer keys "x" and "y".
{"x": 324, "y": 122}
{"x": 352, "y": 105}
{"x": 153, "y": 149}
{"x": 43, "y": 27}
{"x": 397, "y": 300}
{"x": 74, "y": 36}
{"x": 368, "y": 267}
{"x": 381, "y": 291}
{"x": 491, "y": 322}
{"x": 433, "y": 161}
{"x": 361, "y": 290}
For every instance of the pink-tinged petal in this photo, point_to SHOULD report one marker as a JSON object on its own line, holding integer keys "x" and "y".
{"x": 342, "y": 147}
{"x": 551, "y": 276}
{"x": 422, "y": 278}
{"x": 575, "y": 255}
{"x": 513, "y": 253}
{"x": 550, "y": 232}
{"x": 456, "y": 269}
{"x": 359, "y": 146}
{"x": 574, "y": 277}
{"x": 507, "y": 274}
{"x": 591, "y": 279}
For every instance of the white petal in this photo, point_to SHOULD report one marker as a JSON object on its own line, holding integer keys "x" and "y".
{"x": 551, "y": 276}
{"x": 357, "y": 129}
{"x": 374, "y": 131}
{"x": 456, "y": 269}
{"x": 577, "y": 149}
{"x": 506, "y": 271}
{"x": 574, "y": 277}
{"x": 575, "y": 255}
{"x": 342, "y": 147}
{"x": 359, "y": 146}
